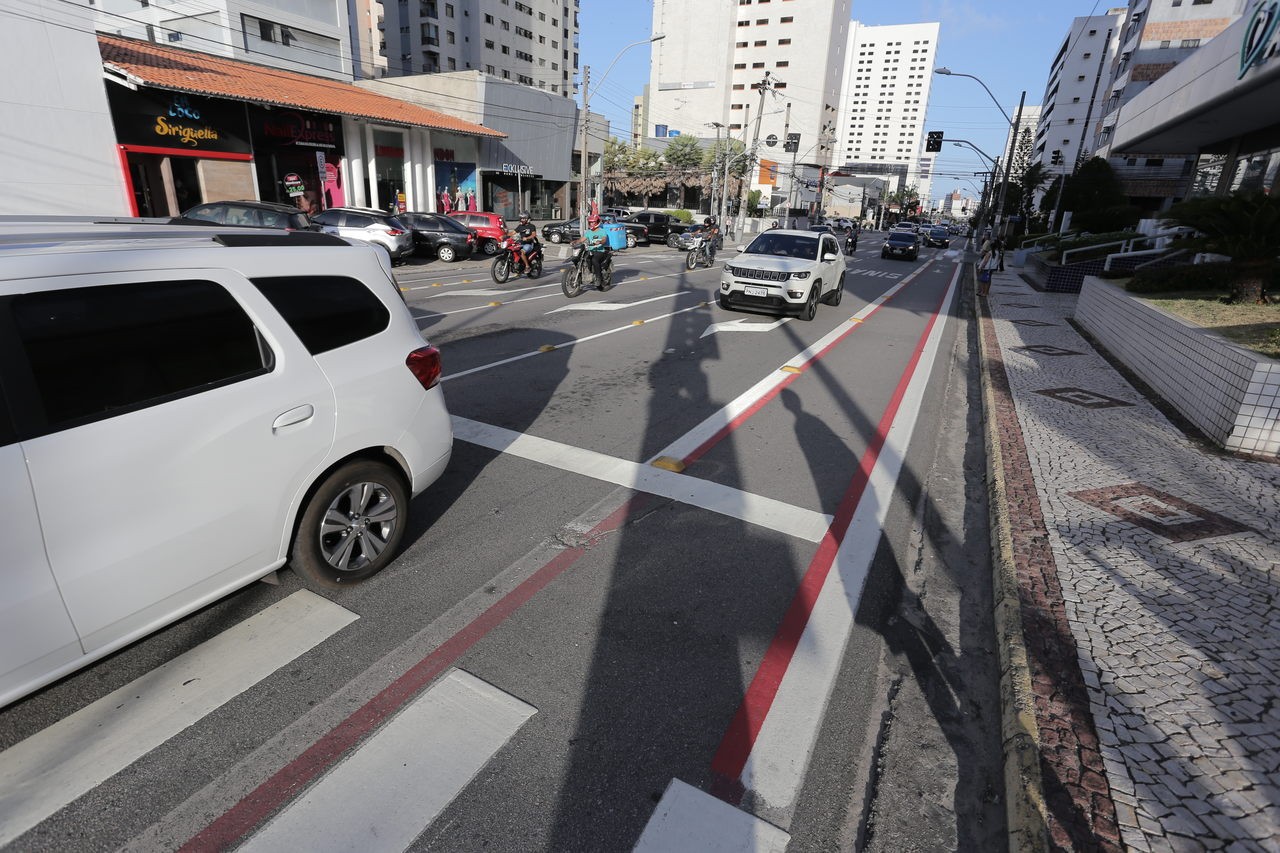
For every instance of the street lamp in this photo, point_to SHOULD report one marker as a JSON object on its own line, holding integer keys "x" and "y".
{"x": 1013, "y": 135}
{"x": 586, "y": 100}
{"x": 960, "y": 143}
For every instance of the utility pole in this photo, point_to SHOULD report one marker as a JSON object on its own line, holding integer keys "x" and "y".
{"x": 1008, "y": 164}
{"x": 583, "y": 159}
{"x": 786, "y": 131}
{"x": 715, "y": 167}
{"x": 765, "y": 86}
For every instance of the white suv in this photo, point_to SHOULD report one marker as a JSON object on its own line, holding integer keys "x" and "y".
{"x": 182, "y": 410}
{"x": 785, "y": 272}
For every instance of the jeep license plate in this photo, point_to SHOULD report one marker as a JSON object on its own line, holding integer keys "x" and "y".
{"x": 751, "y": 290}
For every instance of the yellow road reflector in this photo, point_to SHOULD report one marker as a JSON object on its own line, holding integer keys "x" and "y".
{"x": 667, "y": 463}
{"x": 791, "y": 369}
{"x": 494, "y": 304}
{"x": 637, "y": 322}
{"x": 437, "y": 284}
{"x": 466, "y": 281}
{"x": 644, "y": 278}
{"x": 855, "y": 320}
{"x": 547, "y": 348}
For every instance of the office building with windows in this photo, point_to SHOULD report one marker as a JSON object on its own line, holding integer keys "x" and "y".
{"x": 533, "y": 42}
{"x": 883, "y": 100}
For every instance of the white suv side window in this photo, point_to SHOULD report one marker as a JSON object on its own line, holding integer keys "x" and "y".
{"x": 147, "y": 344}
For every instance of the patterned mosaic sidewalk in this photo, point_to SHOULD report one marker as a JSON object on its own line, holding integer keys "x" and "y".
{"x": 1148, "y": 574}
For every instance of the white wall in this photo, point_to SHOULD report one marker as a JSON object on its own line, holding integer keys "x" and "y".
{"x": 58, "y": 143}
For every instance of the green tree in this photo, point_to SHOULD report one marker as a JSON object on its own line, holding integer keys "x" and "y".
{"x": 1097, "y": 200}
{"x": 1245, "y": 226}
{"x": 683, "y": 154}
{"x": 618, "y": 155}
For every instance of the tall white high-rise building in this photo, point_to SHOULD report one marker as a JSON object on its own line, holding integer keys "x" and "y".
{"x": 1077, "y": 88}
{"x": 533, "y": 42}
{"x": 718, "y": 58}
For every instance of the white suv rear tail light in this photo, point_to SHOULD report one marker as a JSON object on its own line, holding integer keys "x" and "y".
{"x": 424, "y": 363}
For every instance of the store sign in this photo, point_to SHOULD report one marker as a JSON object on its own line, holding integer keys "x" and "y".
{"x": 517, "y": 169}
{"x": 293, "y": 128}
{"x": 1260, "y": 41}
{"x": 445, "y": 154}
{"x": 177, "y": 120}
{"x": 293, "y": 185}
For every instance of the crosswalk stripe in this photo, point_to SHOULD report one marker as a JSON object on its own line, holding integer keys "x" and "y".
{"x": 688, "y": 819}
{"x": 388, "y": 791}
{"x": 45, "y": 772}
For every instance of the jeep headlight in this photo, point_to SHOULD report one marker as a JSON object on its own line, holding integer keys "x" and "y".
{"x": 800, "y": 275}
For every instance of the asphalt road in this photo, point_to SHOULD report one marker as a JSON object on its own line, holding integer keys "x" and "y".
{"x": 783, "y": 627}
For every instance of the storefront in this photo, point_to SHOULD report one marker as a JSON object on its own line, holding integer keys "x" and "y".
{"x": 180, "y": 149}
{"x": 455, "y": 176}
{"x": 298, "y": 157}
{"x": 516, "y": 188}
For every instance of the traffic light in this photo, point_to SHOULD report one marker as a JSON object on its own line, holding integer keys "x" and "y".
{"x": 933, "y": 142}
{"x": 1057, "y": 158}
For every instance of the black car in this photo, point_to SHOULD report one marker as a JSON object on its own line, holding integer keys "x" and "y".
{"x": 661, "y": 226}
{"x": 249, "y": 214}
{"x": 563, "y": 232}
{"x": 937, "y": 236}
{"x": 901, "y": 244}
{"x": 440, "y": 235}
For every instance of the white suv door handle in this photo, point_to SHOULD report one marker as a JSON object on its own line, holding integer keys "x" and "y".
{"x": 294, "y": 416}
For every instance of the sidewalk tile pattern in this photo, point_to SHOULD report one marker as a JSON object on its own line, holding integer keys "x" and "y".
{"x": 1169, "y": 564}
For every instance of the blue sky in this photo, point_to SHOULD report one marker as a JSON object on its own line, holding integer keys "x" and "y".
{"x": 1008, "y": 44}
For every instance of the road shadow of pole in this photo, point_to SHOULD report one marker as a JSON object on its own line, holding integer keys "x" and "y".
{"x": 676, "y": 634}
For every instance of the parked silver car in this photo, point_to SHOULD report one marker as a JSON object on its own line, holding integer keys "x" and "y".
{"x": 369, "y": 225}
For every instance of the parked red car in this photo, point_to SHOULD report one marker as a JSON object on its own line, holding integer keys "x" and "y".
{"x": 490, "y": 228}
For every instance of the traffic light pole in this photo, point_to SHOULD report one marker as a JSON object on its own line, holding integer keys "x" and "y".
{"x": 1008, "y": 163}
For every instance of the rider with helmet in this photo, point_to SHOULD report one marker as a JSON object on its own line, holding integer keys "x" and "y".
{"x": 596, "y": 240}
{"x": 710, "y": 232}
{"x": 527, "y": 233}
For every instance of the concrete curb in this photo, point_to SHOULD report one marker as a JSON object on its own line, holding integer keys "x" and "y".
{"x": 1025, "y": 810}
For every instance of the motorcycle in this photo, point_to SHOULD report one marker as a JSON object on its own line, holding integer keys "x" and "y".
{"x": 850, "y": 242}
{"x": 699, "y": 255}
{"x": 511, "y": 261}
{"x": 578, "y": 272}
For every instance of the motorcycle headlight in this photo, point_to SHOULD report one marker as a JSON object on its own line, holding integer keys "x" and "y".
{"x": 800, "y": 275}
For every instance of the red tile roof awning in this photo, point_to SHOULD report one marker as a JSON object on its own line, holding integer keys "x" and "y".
{"x": 148, "y": 64}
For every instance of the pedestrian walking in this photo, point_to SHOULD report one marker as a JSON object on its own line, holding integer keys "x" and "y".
{"x": 998, "y": 247}
{"x": 989, "y": 263}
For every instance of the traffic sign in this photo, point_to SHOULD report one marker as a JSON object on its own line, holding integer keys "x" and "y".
{"x": 771, "y": 140}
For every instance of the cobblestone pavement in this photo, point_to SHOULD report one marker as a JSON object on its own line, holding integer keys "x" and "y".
{"x": 1156, "y": 566}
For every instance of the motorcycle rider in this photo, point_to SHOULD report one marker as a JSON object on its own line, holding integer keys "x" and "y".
{"x": 527, "y": 234}
{"x": 710, "y": 232}
{"x": 596, "y": 241}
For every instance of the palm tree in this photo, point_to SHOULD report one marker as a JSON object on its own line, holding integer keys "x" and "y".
{"x": 1245, "y": 226}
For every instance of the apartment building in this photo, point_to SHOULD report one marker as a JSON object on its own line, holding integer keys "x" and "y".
{"x": 534, "y": 43}
{"x": 884, "y": 97}
{"x": 1158, "y": 36}
{"x": 760, "y": 69}
{"x": 307, "y": 36}
{"x": 1074, "y": 96}
{"x": 368, "y": 57}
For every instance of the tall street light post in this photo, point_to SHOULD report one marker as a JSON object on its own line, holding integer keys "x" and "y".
{"x": 584, "y": 159}
{"x": 715, "y": 163}
{"x": 1013, "y": 136}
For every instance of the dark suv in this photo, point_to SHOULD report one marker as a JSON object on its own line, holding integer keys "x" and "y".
{"x": 252, "y": 214}
{"x": 901, "y": 244}
{"x": 662, "y": 226}
{"x": 440, "y": 235}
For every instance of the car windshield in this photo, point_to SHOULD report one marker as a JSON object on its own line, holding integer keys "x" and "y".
{"x": 939, "y": 232}
{"x": 902, "y": 237}
{"x": 785, "y": 245}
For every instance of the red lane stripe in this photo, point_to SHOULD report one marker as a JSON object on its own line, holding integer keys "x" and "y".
{"x": 290, "y": 780}
{"x": 735, "y": 748}
{"x": 720, "y": 434}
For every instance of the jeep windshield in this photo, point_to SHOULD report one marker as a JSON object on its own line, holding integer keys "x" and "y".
{"x": 785, "y": 246}
{"x": 905, "y": 238}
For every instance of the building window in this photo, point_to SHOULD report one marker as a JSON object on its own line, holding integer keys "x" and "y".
{"x": 738, "y": 66}
{"x": 488, "y": 19}
{"x": 742, "y": 44}
{"x": 448, "y": 10}
{"x": 744, "y": 23}
{"x": 266, "y": 30}
{"x": 788, "y": 19}
{"x": 761, "y": 43}
{"x": 453, "y": 64}
{"x": 784, "y": 41}
{"x": 488, "y": 43}
{"x": 760, "y": 22}
{"x": 757, "y": 65}
{"x": 738, "y": 86}
{"x": 1190, "y": 42}
{"x": 783, "y": 64}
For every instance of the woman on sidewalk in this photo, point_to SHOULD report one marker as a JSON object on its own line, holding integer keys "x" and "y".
{"x": 990, "y": 261}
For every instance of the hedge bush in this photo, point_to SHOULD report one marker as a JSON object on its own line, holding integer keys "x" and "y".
{"x": 1219, "y": 277}
{"x": 682, "y": 215}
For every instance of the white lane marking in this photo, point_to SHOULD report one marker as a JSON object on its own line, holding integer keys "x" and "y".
{"x": 611, "y": 306}
{"x": 574, "y": 342}
{"x": 745, "y": 506}
{"x": 694, "y": 439}
{"x": 484, "y": 307}
{"x": 688, "y": 819}
{"x": 743, "y": 326}
{"x": 391, "y": 788}
{"x": 780, "y": 757}
{"x": 45, "y": 772}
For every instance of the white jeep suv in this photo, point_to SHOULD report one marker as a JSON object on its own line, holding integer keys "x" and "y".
{"x": 182, "y": 411}
{"x": 785, "y": 272}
